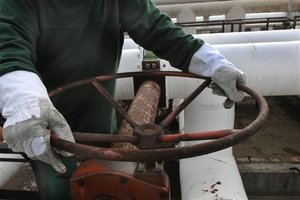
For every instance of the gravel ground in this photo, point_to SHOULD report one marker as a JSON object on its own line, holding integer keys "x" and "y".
{"x": 279, "y": 137}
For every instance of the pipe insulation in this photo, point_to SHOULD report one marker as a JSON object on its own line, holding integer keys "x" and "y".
{"x": 272, "y": 68}
{"x": 130, "y": 61}
{"x": 223, "y": 7}
{"x": 233, "y": 38}
{"x": 251, "y": 37}
{"x": 129, "y": 44}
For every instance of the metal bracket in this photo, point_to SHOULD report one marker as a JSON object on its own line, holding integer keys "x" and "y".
{"x": 151, "y": 65}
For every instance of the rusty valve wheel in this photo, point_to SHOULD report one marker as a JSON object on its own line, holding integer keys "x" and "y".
{"x": 142, "y": 134}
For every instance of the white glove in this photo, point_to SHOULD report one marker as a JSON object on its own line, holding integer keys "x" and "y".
{"x": 208, "y": 61}
{"x": 31, "y": 117}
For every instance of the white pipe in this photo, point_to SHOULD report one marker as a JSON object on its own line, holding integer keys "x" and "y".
{"x": 212, "y": 176}
{"x": 180, "y": 118}
{"x": 8, "y": 169}
{"x": 266, "y": 15}
{"x": 248, "y": 16}
{"x": 272, "y": 68}
{"x": 130, "y": 62}
{"x": 222, "y": 7}
{"x": 238, "y": 37}
{"x": 251, "y": 37}
{"x": 187, "y": 15}
{"x": 129, "y": 44}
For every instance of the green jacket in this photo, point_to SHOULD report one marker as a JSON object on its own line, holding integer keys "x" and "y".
{"x": 68, "y": 40}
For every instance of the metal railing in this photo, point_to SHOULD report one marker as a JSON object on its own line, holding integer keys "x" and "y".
{"x": 244, "y": 24}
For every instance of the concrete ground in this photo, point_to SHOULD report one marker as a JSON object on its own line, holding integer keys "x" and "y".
{"x": 280, "y": 136}
{"x": 269, "y": 161}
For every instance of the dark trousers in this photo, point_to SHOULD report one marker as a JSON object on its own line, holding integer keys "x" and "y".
{"x": 52, "y": 185}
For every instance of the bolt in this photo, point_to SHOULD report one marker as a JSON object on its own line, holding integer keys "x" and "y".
{"x": 158, "y": 170}
{"x": 80, "y": 182}
{"x": 123, "y": 180}
{"x": 158, "y": 167}
{"x": 154, "y": 65}
{"x": 141, "y": 167}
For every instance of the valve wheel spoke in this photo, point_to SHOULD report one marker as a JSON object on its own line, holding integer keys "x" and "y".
{"x": 114, "y": 104}
{"x": 184, "y": 104}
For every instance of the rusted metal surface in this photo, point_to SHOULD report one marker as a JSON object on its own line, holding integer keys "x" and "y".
{"x": 122, "y": 75}
{"x": 95, "y": 180}
{"x": 205, "y": 135}
{"x": 142, "y": 110}
{"x": 142, "y": 155}
{"x": 148, "y": 136}
{"x": 82, "y": 137}
{"x": 93, "y": 137}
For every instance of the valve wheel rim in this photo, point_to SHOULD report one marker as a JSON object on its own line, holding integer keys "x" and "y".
{"x": 233, "y": 137}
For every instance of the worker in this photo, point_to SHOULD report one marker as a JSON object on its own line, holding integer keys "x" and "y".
{"x": 48, "y": 43}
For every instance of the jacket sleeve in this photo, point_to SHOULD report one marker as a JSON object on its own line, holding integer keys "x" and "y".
{"x": 155, "y": 31}
{"x": 19, "y": 33}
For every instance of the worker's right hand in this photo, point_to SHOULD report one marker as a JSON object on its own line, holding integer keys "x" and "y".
{"x": 208, "y": 61}
{"x": 31, "y": 118}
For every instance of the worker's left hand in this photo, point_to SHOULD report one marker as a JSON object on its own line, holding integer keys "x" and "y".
{"x": 225, "y": 84}
{"x": 208, "y": 61}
